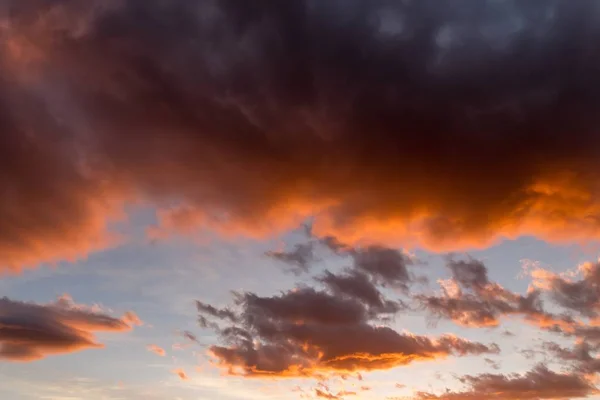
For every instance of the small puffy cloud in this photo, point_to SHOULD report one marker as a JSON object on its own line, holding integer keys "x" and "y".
{"x": 30, "y": 331}
{"x": 321, "y": 394}
{"x": 157, "y": 350}
{"x": 386, "y": 265}
{"x": 180, "y": 372}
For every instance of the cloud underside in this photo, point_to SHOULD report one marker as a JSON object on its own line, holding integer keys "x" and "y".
{"x": 470, "y": 299}
{"x": 537, "y": 384}
{"x": 422, "y": 123}
{"x": 30, "y": 331}
{"x": 340, "y": 323}
{"x": 310, "y": 349}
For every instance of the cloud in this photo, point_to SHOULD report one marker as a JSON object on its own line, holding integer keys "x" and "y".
{"x": 300, "y": 258}
{"x": 30, "y": 331}
{"x": 470, "y": 299}
{"x": 413, "y": 122}
{"x": 583, "y": 357}
{"x": 382, "y": 265}
{"x": 492, "y": 363}
{"x": 157, "y": 350}
{"x": 357, "y": 285}
{"x": 339, "y": 326}
{"x": 132, "y": 318}
{"x": 385, "y": 265}
{"x": 580, "y": 296}
{"x": 471, "y": 273}
{"x": 335, "y": 349}
{"x": 214, "y": 312}
{"x": 181, "y": 374}
{"x": 537, "y": 384}
{"x": 190, "y": 336}
{"x": 325, "y": 395}
{"x": 309, "y": 332}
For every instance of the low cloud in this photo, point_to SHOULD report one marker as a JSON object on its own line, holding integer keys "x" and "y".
{"x": 580, "y": 296}
{"x": 157, "y": 350}
{"x": 249, "y": 120}
{"x": 311, "y": 331}
{"x": 357, "y": 285}
{"x": 30, "y": 331}
{"x": 537, "y": 384}
{"x": 181, "y": 374}
{"x": 299, "y": 258}
{"x": 470, "y": 299}
{"x": 582, "y": 358}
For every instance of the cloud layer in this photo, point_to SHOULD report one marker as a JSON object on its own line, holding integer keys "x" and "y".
{"x": 342, "y": 322}
{"x": 431, "y": 123}
{"x": 537, "y": 384}
{"x": 30, "y": 331}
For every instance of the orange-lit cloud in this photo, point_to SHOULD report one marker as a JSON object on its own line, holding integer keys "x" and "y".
{"x": 181, "y": 374}
{"x": 157, "y": 350}
{"x": 310, "y": 332}
{"x": 538, "y": 384}
{"x": 338, "y": 326}
{"x": 30, "y": 331}
{"x": 470, "y": 299}
{"x": 581, "y": 296}
{"x": 445, "y": 146}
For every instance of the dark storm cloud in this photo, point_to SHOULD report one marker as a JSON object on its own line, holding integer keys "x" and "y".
{"x": 31, "y": 331}
{"x": 440, "y": 123}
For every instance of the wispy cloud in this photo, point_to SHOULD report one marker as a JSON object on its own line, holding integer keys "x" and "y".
{"x": 157, "y": 350}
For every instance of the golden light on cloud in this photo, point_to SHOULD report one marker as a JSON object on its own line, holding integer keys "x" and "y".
{"x": 156, "y": 350}
{"x": 433, "y": 126}
{"x": 442, "y": 171}
{"x": 180, "y": 372}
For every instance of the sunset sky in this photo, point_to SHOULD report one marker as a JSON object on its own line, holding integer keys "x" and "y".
{"x": 300, "y": 199}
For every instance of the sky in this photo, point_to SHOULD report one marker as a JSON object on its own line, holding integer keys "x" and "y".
{"x": 342, "y": 199}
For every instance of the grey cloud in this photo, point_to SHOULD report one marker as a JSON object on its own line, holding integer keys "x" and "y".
{"x": 441, "y": 123}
